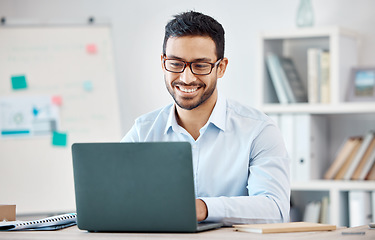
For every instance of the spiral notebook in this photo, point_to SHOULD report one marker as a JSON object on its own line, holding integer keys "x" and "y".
{"x": 50, "y": 223}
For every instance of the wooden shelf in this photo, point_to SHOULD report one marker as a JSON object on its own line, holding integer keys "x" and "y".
{"x": 343, "y": 108}
{"x": 329, "y": 185}
{"x": 308, "y": 33}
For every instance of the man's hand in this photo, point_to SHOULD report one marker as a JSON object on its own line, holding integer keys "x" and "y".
{"x": 201, "y": 209}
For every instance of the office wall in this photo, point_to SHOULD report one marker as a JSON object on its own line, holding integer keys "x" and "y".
{"x": 69, "y": 96}
{"x": 138, "y": 33}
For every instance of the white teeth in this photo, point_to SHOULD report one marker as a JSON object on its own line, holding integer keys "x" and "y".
{"x": 188, "y": 90}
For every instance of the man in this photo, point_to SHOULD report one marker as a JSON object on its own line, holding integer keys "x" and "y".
{"x": 240, "y": 163}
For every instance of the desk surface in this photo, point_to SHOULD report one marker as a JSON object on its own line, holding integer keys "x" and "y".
{"x": 73, "y": 233}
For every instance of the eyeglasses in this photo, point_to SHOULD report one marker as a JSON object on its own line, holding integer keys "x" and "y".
{"x": 197, "y": 68}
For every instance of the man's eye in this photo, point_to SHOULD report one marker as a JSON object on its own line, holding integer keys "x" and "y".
{"x": 201, "y": 65}
{"x": 176, "y": 64}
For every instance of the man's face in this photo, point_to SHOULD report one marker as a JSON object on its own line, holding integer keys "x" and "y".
{"x": 187, "y": 89}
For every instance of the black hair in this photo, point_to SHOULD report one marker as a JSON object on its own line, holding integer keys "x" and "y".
{"x": 195, "y": 24}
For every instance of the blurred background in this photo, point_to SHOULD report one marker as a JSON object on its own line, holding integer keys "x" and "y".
{"x": 138, "y": 31}
{"x": 38, "y": 172}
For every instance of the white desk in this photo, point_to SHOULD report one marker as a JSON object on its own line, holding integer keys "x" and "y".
{"x": 73, "y": 233}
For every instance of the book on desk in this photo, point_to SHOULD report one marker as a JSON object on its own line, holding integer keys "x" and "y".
{"x": 284, "y": 227}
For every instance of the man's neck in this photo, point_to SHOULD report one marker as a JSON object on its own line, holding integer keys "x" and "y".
{"x": 193, "y": 120}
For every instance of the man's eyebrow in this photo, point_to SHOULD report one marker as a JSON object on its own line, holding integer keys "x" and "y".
{"x": 194, "y": 60}
{"x": 174, "y": 57}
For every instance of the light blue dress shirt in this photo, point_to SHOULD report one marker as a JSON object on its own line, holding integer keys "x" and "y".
{"x": 241, "y": 167}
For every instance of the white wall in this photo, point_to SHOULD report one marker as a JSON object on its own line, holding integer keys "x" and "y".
{"x": 138, "y": 30}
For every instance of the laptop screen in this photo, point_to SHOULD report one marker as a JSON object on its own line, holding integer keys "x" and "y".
{"x": 136, "y": 187}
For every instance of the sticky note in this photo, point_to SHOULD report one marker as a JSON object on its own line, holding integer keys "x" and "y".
{"x": 35, "y": 111}
{"x": 91, "y": 48}
{"x": 57, "y": 100}
{"x": 59, "y": 139}
{"x": 19, "y": 82}
{"x": 87, "y": 86}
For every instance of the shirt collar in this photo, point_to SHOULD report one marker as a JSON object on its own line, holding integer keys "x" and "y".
{"x": 171, "y": 122}
{"x": 218, "y": 116}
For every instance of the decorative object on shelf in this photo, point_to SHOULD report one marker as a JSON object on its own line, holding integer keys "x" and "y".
{"x": 305, "y": 14}
{"x": 362, "y": 85}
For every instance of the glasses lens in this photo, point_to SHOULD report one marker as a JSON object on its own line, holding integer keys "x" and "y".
{"x": 174, "y": 65}
{"x": 201, "y": 68}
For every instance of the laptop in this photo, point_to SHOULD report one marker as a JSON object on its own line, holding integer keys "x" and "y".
{"x": 135, "y": 187}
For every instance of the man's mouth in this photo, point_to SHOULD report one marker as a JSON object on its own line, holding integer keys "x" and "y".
{"x": 187, "y": 90}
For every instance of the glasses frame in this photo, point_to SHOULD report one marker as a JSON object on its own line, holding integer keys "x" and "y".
{"x": 189, "y": 64}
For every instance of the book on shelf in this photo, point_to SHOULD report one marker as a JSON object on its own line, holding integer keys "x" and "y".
{"x": 284, "y": 76}
{"x": 373, "y": 206}
{"x": 371, "y": 173}
{"x": 324, "y": 210}
{"x": 293, "y": 79}
{"x": 312, "y": 212}
{"x": 359, "y": 155}
{"x": 272, "y": 66}
{"x": 325, "y": 82}
{"x": 359, "y": 208}
{"x": 284, "y": 227}
{"x": 341, "y": 173}
{"x": 342, "y": 155}
{"x": 318, "y": 75}
{"x": 365, "y": 163}
{"x": 312, "y": 75}
{"x": 368, "y": 167}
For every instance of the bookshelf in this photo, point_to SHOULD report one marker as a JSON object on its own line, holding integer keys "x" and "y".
{"x": 337, "y": 119}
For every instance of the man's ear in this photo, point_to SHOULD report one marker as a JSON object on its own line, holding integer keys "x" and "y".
{"x": 161, "y": 61}
{"x": 222, "y": 67}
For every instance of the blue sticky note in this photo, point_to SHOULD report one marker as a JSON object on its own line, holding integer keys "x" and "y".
{"x": 19, "y": 82}
{"x": 35, "y": 111}
{"x": 87, "y": 86}
{"x": 59, "y": 139}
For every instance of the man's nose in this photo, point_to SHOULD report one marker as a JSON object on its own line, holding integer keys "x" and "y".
{"x": 187, "y": 75}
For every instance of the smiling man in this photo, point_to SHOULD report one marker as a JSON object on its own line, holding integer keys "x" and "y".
{"x": 241, "y": 168}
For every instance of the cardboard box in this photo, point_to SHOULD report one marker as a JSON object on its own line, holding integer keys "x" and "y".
{"x": 7, "y": 212}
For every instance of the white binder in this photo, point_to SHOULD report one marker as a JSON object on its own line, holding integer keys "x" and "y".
{"x": 310, "y": 146}
{"x": 286, "y": 124}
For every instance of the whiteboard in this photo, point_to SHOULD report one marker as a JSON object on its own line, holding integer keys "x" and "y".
{"x": 73, "y": 64}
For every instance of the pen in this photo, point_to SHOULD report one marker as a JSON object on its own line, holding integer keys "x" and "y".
{"x": 353, "y": 233}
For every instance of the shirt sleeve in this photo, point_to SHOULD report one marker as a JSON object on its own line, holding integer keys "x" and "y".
{"x": 268, "y": 185}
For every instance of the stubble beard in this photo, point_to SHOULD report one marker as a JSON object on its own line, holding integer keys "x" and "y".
{"x": 185, "y": 103}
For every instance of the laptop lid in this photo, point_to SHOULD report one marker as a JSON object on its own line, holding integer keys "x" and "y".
{"x": 134, "y": 187}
